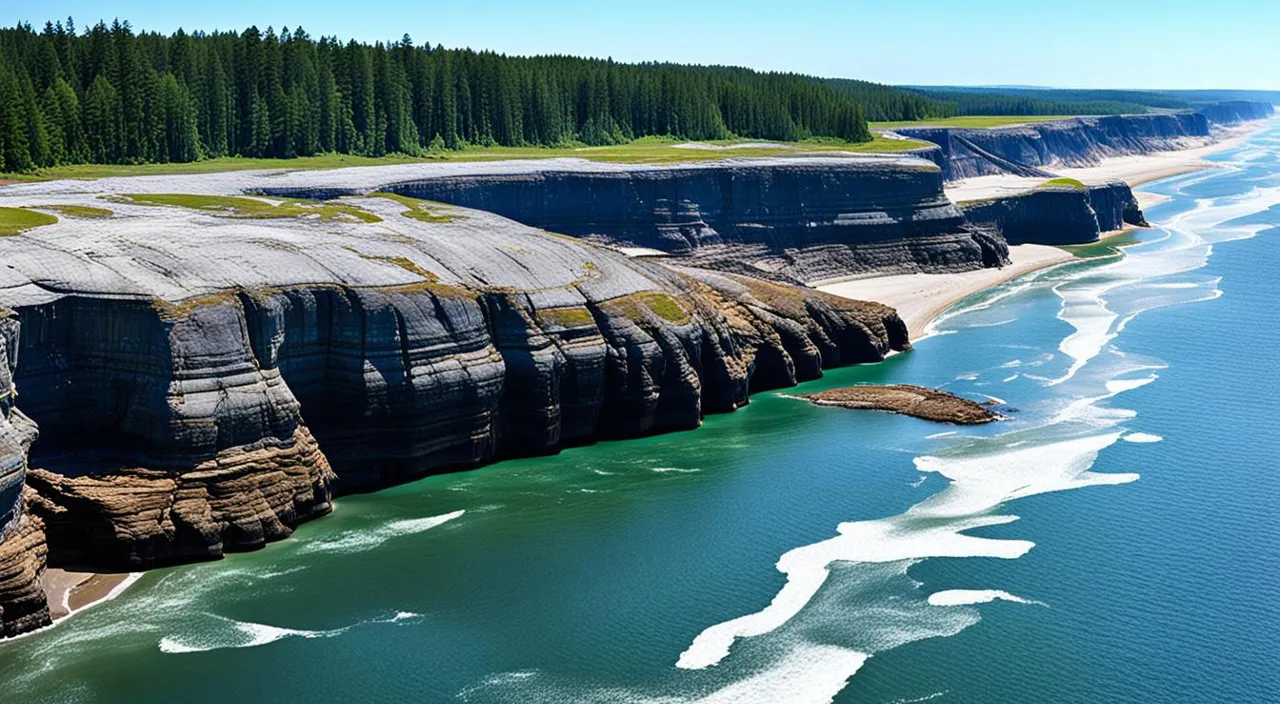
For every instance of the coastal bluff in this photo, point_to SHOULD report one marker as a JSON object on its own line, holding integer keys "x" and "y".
{"x": 206, "y": 370}
{"x": 794, "y": 219}
{"x": 1057, "y": 213}
{"x": 1033, "y": 149}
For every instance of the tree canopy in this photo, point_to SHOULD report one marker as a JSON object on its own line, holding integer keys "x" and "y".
{"x": 109, "y": 94}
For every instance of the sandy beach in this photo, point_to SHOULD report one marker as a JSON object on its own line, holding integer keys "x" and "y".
{"x": 920, "y": 298}
{"x": 69, "y": 592}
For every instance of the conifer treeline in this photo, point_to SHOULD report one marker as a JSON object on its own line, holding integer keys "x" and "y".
{"x": 110, "y": 95}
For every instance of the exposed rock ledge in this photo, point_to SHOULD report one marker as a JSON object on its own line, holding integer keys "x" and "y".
{"x": 907, "y": 399}
{"x": 1057, "y": 214}
{"x": 205, "y": 383}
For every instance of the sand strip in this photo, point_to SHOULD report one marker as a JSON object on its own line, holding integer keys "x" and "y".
{"x": 69, "y": 592}
{"x": 920, "y": 298}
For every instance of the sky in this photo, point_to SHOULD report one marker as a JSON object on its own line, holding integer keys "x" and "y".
{"x": 1075, "y": 43}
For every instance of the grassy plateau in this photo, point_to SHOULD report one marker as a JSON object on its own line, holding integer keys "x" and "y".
{"x": 649, "y": 150}
{"x": 15, "y": 221}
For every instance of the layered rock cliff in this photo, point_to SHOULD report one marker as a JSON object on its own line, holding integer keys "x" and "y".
{"x": 1057, "y": 214}
{"x": 204, "y": 383}
{"x": 22, "y": 545}
{"x": 1028, "y": 150}
{"x": 799, "y": 220}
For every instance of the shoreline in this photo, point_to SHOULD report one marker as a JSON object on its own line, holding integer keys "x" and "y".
{"x": 922, "y": 298}
{"x": 1134, "y": 170}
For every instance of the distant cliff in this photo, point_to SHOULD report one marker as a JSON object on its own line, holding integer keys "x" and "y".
{"x": 1233, "y": 112}
{"x": 205, "y": 383}
{"x": 1029, "y": 150}
{"x": 1057, "y": 214}
{"x": 796, "y": 219}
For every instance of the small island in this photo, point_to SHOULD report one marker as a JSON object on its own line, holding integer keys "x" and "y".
{"x": 909, "y": 400}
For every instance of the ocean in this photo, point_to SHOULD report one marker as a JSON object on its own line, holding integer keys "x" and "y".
{"x": 1117, "y": 539}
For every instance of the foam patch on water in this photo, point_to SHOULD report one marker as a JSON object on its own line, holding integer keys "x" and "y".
{"x": 966, "y": 597}
{"x": 222, "y": 633}
{"x": 809, "y": 673}
{"x": 678, "y": 470}
{"x": 360, "y": 540}
{"x": 1142, "y": 438}
{"x": 935, "y": 527}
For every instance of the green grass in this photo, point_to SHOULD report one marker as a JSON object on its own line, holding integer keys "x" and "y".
{"x": 417, "y": 208}
{"x": 1063, "y": 183}
{"x": 660, "y": 304}
{"x": 14, "y": 221}
{"x": 973, "y": 121}
{"x": 253, "y": 208}
{"x": 78, "y": 211}
{"x": 566, "y": 317}
{"x": 649, "y": 150}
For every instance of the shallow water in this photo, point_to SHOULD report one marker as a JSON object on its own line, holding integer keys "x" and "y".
{"x": 1116, "y": 540}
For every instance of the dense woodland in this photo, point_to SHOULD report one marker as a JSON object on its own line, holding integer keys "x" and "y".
{"x": 109, "y": 95}
{"x": 984, "y": 103}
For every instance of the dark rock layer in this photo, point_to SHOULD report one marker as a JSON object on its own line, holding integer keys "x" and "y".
{"x": 1057, "y": 215}
{"x": 788, "y": 220}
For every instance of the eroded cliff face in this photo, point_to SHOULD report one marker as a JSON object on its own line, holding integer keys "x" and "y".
{"x": 1057, "y": 215}
{"x": 798, "y": 220}
{"x": 1233, "y": 112}
{"x": 22, "y": 544}
{"x": 204, "y": 384}
{"x": 1028, "y": 150}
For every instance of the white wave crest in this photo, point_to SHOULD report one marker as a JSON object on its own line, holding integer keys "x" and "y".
{"x": 359, "y": 540}
{"x": 964, "y": 597}
{"x": 1142, "y": 437}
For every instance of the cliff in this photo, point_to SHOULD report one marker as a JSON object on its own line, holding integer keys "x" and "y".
{"x": 22, "y": 549}
{"x": 1057, "y": 214}
{"x": 206, "y": 377}
{"x": 1027, "y": 150}
{"x": 796, "y": 219}
{"x": 1233, "y": 112}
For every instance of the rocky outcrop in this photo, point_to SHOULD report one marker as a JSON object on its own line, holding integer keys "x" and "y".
{"x": 1057, "y": 215}
{"x": 798, "y": 220}
{"x": 204, "y": 383}
{"x": 1028, "y": 150}
{"x": 909, "y": 400}
{"x": 1233, "y": 112}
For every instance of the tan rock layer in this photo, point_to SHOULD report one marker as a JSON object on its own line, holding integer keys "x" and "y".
{"x": 240, "y": 500}
{"x": 23, "y": 552}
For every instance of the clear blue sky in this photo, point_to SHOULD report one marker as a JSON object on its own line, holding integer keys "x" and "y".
{"x": 1069, "y": 43}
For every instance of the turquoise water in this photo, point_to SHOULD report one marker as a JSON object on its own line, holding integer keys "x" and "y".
{"x": 793, "y": 553}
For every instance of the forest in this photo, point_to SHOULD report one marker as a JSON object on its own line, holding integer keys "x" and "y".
{"x": 110, "y": 95}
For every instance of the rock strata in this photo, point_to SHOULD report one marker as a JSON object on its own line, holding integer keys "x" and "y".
{"x": 1057, "y": 215}
{"x": 906, "y": 399}
{"x": 795, "y": 219}
{"x": 1035, "y": 149}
